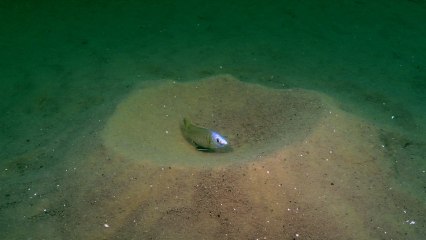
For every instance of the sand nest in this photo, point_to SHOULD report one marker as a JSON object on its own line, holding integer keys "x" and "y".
{"x": 301, "y": 168}
{"x": 255, "y": 119}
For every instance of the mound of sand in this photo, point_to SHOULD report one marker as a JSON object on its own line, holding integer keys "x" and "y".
{"x": 324, "y": 173}
{"x": 255, "y": 119}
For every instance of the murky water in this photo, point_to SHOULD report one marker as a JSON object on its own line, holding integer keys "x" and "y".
{"x": 323, "y": 105}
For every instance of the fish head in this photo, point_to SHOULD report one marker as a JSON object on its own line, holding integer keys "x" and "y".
{"x": 218, "y": 141}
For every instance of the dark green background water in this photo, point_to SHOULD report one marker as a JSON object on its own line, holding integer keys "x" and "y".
{"x": 64, "y": 67}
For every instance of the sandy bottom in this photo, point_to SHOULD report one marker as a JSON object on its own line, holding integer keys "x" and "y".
{"x": 256, "y": 120}
{"x": 300, "y": 168}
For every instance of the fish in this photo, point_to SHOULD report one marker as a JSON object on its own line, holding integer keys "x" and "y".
{"x": 202, "y": 138}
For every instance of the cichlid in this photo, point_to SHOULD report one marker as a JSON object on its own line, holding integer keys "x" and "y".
{"x": 204, "y": 139}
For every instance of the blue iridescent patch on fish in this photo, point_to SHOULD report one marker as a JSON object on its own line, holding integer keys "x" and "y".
{"x": 218, "y": 140}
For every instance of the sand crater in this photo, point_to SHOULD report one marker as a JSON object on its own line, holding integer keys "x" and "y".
{"x": 257, "y": 120}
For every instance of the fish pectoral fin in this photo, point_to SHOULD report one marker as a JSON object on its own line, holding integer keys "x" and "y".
{"x": 199, "y": 147}
{"x": 202, "y": 149}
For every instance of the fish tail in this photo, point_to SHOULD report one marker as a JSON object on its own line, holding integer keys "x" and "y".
{"x": 184, "y": 127}
{"x": 185, "y": 122}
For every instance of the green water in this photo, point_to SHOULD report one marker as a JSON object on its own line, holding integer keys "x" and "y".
{"x": 64, "y": 67}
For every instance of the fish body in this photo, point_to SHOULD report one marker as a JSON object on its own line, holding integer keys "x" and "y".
{"x": 204, "y": 139}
